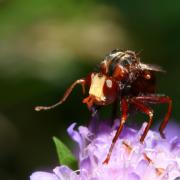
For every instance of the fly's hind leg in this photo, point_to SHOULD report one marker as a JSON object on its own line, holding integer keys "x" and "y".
{"x": 155, "y": 99}
{"x": 147, "y": 110}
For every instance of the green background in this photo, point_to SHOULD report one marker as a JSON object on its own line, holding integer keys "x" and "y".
{"x": 46, "y": 45}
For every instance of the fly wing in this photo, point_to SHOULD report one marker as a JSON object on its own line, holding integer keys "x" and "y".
{"x": 151, "y": 67}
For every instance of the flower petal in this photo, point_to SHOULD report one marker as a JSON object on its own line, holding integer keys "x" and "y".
{"x": 43, "y": 176}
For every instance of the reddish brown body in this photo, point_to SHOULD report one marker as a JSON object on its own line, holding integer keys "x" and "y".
{"x": 122, "y": 76}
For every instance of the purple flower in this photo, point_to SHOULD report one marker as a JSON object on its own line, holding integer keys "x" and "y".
{"x": 156, "y": 158}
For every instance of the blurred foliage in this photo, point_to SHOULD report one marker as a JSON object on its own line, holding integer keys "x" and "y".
{"x": 46, "y": 45}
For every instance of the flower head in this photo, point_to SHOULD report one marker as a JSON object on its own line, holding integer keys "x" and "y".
{"x": 156, "y": 158}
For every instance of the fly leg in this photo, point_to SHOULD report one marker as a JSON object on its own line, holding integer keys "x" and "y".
{"x": 155, "y": 99}
{"x": 124, "y": 106}
{"x": 67, "y": 93}
{"x": 145, "y": 109}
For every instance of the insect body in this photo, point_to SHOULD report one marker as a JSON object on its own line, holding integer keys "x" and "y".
{"x": 122, "y": 76}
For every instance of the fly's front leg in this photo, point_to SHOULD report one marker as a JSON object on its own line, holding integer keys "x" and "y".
{"x": 67, "y": 93}
{"x": 124, "y": 106}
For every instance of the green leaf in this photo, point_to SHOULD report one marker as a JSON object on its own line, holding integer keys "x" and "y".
{"x": 64, "y": 154}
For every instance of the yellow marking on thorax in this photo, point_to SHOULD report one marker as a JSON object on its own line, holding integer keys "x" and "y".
{"x": 96, "y": 89}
